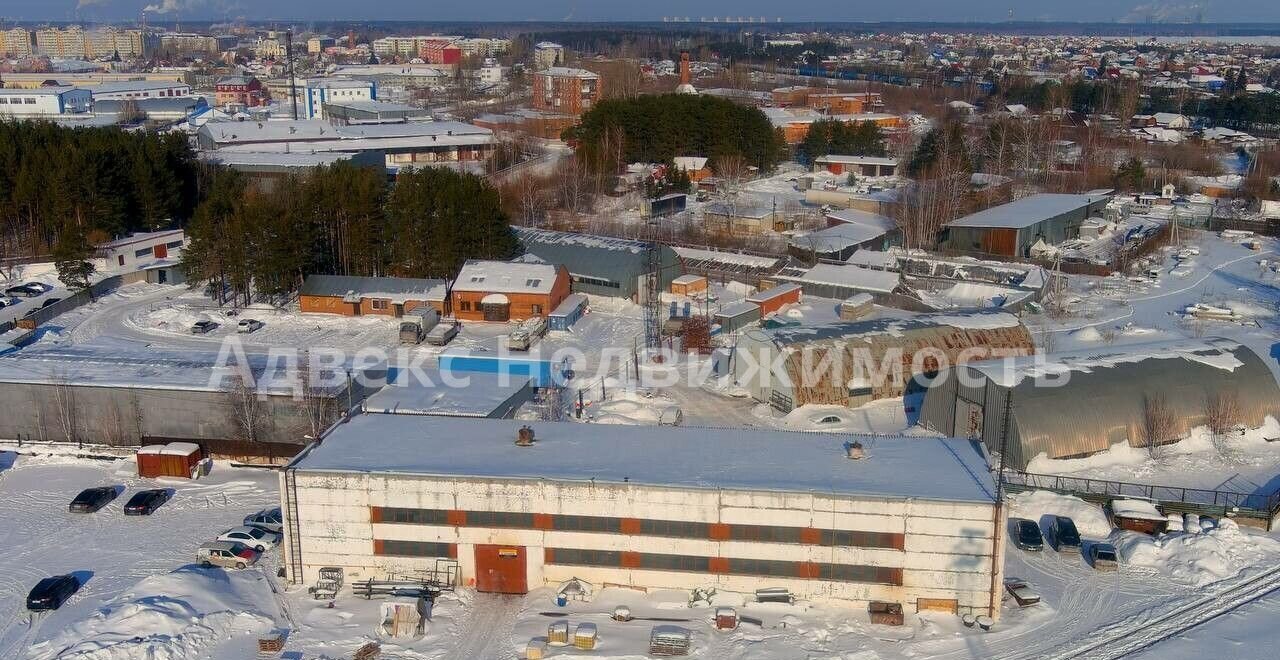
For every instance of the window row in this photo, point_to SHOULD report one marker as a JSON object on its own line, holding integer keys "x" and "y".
{"x": 391, "y": 548}
{"x": 725, "y": 566}
{"x": 641, "y": 527}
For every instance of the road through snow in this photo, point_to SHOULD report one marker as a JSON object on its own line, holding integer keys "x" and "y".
{"x": 486, "y": 632}
{"x": 1145, "y": 629}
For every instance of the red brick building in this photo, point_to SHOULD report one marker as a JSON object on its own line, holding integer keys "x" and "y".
{"x": 565, "y": 90}
{"x": 240, "y": 90}
{"x": 502, "y": 291}
{"x": 439, "y": 51}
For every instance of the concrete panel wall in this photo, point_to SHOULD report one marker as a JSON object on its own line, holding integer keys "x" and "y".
{"x": 948, "y": 545}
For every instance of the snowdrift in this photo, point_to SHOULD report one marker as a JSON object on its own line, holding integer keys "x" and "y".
{"x": 168, "y": 617}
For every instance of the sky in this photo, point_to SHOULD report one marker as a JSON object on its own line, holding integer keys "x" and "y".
{"x": 163, "y": 11}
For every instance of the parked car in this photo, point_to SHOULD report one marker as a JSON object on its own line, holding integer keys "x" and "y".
{"x": 51, "y": 592}
{"x": 1028, "y": 536}
{"x": 258, "y": 539}
{"x": 91, "y": 499}
{"x": 203, "y": 327}
{"x": 248, "y": 325}
{"x": 145, "y": 502}
{"x": 28, "y": 290}
{"x": 1063, "y": 534}
{"x": 268, "y": 519}
{"x": 1103, "y": 557}
{"x": 49, "y": 301}
{"x": 226, "y": 554}
{"x": 8, "y": 302}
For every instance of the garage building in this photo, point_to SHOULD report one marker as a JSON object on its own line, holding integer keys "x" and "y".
{"x": 912, "y": 521}
{"x": 1009, "y": 230}
{"x": 1069, "y": 405}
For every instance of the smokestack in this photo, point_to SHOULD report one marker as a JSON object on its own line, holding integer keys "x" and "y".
{"x": 685, "y": 77}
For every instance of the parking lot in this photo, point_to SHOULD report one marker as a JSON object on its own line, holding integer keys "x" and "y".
{"x": 111, "y": 553}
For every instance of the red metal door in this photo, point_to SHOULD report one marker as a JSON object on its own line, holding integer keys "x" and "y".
{"x": 162, "y": 251}
{"x": 501, "y": 569}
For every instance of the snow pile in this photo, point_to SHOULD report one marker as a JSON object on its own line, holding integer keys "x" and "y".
{"x": 1196, "y": 559}
{"x": 1037, "y": 504}
{"x": 1089, "y": 334}
{"x": 182, "y": 614}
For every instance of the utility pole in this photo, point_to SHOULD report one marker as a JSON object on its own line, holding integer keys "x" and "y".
{"x": 293, "y": 85}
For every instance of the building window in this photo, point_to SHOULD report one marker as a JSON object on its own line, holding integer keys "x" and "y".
{"x": 378, "y": 304}
{"x": 574, "y": 557}
{"x": 674, "y": 529}
{"x": 411, "y": 549}
{"x": 507, "y": 519}
{"x": 174, "y": 244}
{"x": 585, "y": 524}
{"x": 410, "y": 516}
{"x": 535, "y": 309}
{"x": 465, "y": 305}
{"x": 145, "y": 252}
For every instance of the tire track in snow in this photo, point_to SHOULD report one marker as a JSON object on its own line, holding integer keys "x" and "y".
{"x": 486, "y": 633}
{"x": 1148, "y": 628}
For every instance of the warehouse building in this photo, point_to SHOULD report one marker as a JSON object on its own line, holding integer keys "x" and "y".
{"x": 1009, "y": 230}
{"x": 600, "y": 265}
{"x": 912, "y": 521}
{"x": 1070, "y": 405}
{"x": 105, "y": 394}
{"x": 853, "y": 363}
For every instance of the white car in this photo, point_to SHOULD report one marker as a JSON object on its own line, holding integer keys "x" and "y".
{"x": 248, "y": 325}
{"x": 258, "y": 539}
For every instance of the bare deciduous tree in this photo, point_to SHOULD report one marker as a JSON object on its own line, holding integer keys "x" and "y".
{"x": 64, "y": 399}
{"x": 1222, "y": 414}
{"x": 1159, "y": 425}
{"x": 318, "y": 405}
{"x": 248, "y": 410}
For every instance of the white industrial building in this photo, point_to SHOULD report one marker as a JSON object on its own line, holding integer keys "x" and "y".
{"x": 139, "y": 89}
{"x": 335, "y": 90}
{"x": 912, "y": 521}
{"x": 43, "y": 101}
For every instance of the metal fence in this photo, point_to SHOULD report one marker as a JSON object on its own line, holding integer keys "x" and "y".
{"x": 1249, "y": 504}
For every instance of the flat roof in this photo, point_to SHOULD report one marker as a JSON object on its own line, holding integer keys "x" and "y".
{"x": 750, "y": 459}
{"x": 429, "y": 394}
{"x": 1027, "y": 211}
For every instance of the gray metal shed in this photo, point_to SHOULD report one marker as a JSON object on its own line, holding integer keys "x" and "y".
{"x": 600, "y": 265}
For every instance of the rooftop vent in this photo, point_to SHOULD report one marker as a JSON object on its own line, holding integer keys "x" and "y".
{"x": 854, "y": 451}
{"x": 524, "y": 437}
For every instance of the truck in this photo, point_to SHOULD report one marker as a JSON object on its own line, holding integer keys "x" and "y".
{"x": 527, "y": 333}
{"x": 416, "y": 323}
{"x": 443, "y": 333}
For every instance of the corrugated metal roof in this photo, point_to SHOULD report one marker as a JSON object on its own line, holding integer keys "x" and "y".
{"x": 1027, "y": 211}
{"x": 1099, "y": 399}
{"x": 340, "y": 285}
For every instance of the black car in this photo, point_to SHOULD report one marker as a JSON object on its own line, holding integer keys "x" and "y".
{"x": 24, "y": 291}
{"x": 92, "y": 499}
{"x": 145, "y": 502}
{"x": 49, "y": 301}
{"x": 51, "y": 592}
{"x": 203, "y": 327}
{"x": 1062, "y": 531}
{"x": 1028, "y": 536}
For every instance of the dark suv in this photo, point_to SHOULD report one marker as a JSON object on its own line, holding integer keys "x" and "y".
{"x": 92, "y": 499}
{"x": 1062, "y": 532}
{"x": 51, "y": 592}
{"x": 1028, "y": 536}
